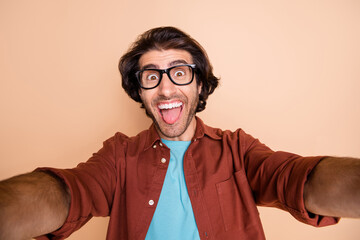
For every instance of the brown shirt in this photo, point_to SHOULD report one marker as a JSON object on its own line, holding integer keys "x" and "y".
{"x": 227, "y": 174}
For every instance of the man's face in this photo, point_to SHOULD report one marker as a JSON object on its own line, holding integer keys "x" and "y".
{"x": 171, "y": 107}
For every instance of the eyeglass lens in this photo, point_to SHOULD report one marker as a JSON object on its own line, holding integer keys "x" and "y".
{"x": 180, "y": 75}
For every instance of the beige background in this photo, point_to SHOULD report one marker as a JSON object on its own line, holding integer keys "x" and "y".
{"x": 290, "y": 75}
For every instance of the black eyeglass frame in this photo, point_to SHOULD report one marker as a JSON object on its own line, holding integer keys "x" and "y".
{"x": 167, "y": 71}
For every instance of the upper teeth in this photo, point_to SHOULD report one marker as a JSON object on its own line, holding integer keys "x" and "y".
{"x": 170, "y": 105}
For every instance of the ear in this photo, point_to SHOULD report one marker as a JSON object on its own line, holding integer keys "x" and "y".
{"x": 199, "y": 87}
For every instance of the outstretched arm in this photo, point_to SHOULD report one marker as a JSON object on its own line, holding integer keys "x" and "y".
{"x": 31, "y": 205}
{"x": 333, "y": 188}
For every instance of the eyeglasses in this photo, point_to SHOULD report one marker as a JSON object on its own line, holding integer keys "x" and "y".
{"x": 179, "y": 75}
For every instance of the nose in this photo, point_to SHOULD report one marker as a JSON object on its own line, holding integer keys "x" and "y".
{"x": 166, "y": 87}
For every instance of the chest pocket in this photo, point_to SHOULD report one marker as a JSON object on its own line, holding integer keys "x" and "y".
{"x": 237, "y": 204}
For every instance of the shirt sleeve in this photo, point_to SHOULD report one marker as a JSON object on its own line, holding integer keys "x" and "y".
{"x": 278, "y": 179}
{"x": 92, "y": 185}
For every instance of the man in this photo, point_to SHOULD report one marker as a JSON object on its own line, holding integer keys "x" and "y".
{"x": 180, "y": 179}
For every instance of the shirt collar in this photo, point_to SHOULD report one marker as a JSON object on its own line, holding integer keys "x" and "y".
{"x": 152, "y": 137}
{"x": 200, "y": 131}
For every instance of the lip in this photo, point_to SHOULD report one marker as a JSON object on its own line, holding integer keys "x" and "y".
{"x": 165, "y": 104}
{"x": 162, "y": 106}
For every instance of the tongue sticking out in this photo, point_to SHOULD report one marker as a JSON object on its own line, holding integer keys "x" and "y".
{"x": 170, "y": 116}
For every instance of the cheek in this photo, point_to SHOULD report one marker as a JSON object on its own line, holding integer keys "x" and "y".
{"x": 146, "y": 96}
{"x": 142, "y": 97}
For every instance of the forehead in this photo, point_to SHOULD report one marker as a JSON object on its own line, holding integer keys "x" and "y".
{"x": 164, "y": 58}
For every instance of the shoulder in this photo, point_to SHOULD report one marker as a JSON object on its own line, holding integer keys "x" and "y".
{"x": 218, "y": 133}
{"x": 236, "y": 137}
{"x": 133, "y": 143}
{"x": 121, "y": 138}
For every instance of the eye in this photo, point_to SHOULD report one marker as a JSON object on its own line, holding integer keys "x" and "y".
{"x": 179, "y": 73}
{"x": 152, "y": 77}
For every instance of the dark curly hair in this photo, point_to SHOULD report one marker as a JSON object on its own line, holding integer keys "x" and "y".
{"x": 164, "y": 38}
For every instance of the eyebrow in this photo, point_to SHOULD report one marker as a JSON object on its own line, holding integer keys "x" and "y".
{"x": 171, "y": 64}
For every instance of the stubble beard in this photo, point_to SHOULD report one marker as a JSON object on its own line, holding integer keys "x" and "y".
{"x": 178, "y": 128}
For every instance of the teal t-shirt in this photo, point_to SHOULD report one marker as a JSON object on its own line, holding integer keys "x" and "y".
{"x": 174, "y": 218}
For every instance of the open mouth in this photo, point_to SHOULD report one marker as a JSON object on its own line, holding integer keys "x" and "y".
{"x": 171, "y": 111}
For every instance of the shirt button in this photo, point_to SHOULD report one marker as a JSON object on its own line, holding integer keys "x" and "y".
{"x": 163, "y": 160}
{"x": 160, "y": 144}
{"x": 154, "y": 146}
{"x": 151, "y": 202}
